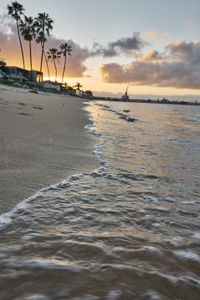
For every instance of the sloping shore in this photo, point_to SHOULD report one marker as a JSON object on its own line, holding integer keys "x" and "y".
{"x": 43, "y": 141}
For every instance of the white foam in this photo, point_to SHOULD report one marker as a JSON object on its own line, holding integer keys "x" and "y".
{"x": 190, "y": 279}
{"x": 170, "y": 278}
{"x": 148, "y": 218}
{"x": 152, "y": 295}
{"x": 160, "y": 208}
{"x": 176, "y": 241}
{"x": 118, "y": 249}
{"x": 113, "y": 295}
{"x": 196, "y": 235}
{"x": 170, "y": 199}
{"x": 152, "y": 199}
{"x": 5, "y": 220}
{"x": 99, "y": 151}
{"x": 74, "y": 177}
{"x": 35, "y": 297}
{"x": 189, "y": 202}
{"x": 153, "y": 250}
{"x": 187, "y": 255}
{"x": 52, "y": 264}
{"x": 157, "y": 225}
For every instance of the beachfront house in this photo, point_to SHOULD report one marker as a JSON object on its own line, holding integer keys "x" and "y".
{"x": 3, "y": 75}
{"x": 51, "y": 85}
{"x": 20, "y": 74}
{"x": 84, "y": 94}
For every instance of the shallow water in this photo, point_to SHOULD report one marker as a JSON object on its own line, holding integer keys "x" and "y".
{"x": 129, "y": 230}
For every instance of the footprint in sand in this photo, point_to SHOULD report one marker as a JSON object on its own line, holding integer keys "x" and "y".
{"x": 24, "y": 114}
{"x": 38, "y": 107}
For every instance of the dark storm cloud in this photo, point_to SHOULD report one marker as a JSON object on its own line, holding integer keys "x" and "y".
{"x": 120, "y": 46}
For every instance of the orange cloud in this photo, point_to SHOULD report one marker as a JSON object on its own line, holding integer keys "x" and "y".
{"x": 10, "y": 52}
{"x": 179, "y": 69}
{"x": 153, "y": 55}
{"x": 151, "y": 34}
{"x": 158, "y": 37}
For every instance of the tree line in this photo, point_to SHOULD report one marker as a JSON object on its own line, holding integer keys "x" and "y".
{"x": 38, "y": 29}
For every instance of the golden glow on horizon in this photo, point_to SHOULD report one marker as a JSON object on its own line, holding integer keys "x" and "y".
{"x": 126, "y": 55}
{"x": 95, "y": 84}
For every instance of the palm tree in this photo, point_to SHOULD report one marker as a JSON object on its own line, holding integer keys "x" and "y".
{"x": 43, "y": 27}
{"x": 27, "y": 28}
{"x": 78, "y": 86}
{"x": 54, "y": 55}
{"x": 47, "y": 64}
{"x": 16, "y": 10}
{"x": 66, "y": 49}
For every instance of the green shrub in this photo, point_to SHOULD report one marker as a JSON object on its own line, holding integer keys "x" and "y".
{"x": 6, "y": 81}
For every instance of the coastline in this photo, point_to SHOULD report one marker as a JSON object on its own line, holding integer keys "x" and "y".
{"x": 148, "y": 101}
{"x": 43, "y": 141}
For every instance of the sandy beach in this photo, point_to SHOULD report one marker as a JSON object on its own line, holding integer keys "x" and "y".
{"x": 43, "y": 141}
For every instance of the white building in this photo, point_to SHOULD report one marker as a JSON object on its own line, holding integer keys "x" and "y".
{"x": 51, "y": 85}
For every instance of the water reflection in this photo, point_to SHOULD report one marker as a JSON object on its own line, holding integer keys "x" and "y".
{"x": 129, "y": 230}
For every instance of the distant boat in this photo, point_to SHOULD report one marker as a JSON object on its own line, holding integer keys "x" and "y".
{"x": 125, "y": 97}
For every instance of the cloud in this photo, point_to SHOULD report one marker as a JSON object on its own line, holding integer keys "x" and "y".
{"x": 151, "y": 34}
{"x": 180, "y": 68}
{"x": 120, "y": 46}
{"x": 182, "y": 51}
{"x": 153, "y": 55}
{"x": 10, "y": 51}
{"x": 158, "y": 37}
{"x": 9, "y": 43}
{"x": 75, "y": 63}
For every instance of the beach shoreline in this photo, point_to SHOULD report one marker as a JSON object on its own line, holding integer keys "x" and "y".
{"x": 43, "y": 141}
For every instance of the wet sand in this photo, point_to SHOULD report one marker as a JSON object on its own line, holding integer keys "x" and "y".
{"x": 43, "y": 141}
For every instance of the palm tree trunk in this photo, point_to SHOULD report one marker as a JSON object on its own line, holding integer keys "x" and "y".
{"x": 55, "y": 70}
{"x": 31, "y": 60}
{"x": 42, "y": 45}
{"x": 20, "y": 42}
{"x": 64, "y": 69}
{"x": 47, "y": 65}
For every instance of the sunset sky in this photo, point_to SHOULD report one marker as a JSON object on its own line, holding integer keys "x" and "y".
{"x": 151, "y": 46}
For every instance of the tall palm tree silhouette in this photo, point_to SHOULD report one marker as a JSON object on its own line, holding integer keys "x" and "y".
{"x": 15, "y": 10}
{"x": 43, "y": 26}
{"x": 47, "y": 63}
{"x": 27, "y": 28}
{"x": 66, "y": 50}
{"x": 54, "y": 55}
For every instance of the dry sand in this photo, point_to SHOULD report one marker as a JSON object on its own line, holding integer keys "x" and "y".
{"x": 43, "y": 141}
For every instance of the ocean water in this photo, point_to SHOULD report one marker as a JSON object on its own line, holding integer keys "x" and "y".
{"x": 128, "y": 230}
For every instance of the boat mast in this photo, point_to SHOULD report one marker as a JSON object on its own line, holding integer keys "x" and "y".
{"x": 126, "y": 93}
